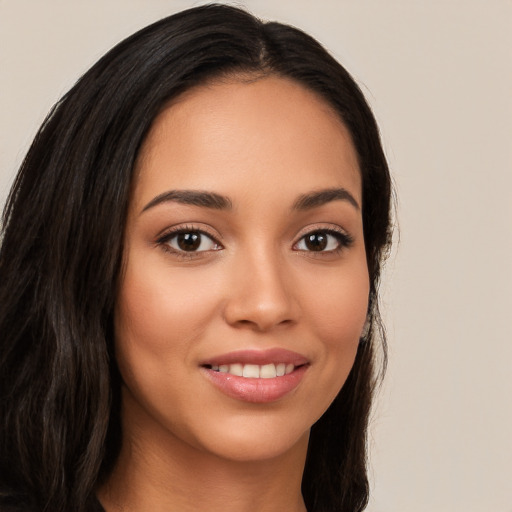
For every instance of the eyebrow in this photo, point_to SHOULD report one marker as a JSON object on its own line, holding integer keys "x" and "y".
{"x": 321, "y": 197}
{"x": 219, "y": 202}
{"x": 192, "y": 197}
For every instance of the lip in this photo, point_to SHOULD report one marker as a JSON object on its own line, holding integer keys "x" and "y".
{"x": 259, "y": 357}
{"x": 256, "y": 390}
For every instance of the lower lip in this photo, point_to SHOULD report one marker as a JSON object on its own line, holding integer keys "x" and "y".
{"x": 256, "y": 390}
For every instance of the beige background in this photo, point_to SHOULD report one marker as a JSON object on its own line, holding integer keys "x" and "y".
{"x": 439, "y": 76}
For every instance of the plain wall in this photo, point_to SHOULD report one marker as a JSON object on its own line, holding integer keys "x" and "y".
{"x": 439, "y": 77}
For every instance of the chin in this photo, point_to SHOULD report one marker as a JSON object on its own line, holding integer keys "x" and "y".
{"x": 260, "y": 447}
{"x": 248, "y": 438}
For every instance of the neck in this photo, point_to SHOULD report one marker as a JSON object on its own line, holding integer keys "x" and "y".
{"x": 157, "y": 471}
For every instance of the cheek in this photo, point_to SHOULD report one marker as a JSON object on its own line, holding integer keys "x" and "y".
{"x": 159, "y": 318}
{"x": 338, "y": 314}
{"x": 338, "y": 307}
{"x": 163, "y": 310}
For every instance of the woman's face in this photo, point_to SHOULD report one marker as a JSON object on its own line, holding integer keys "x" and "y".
{"x": 245, "y": 285}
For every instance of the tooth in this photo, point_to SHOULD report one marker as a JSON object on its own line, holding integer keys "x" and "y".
{"x": 268, "y": 371}
{"x": 224, "y": 368}
{"x": 215, "y": 368}
{"x": 280, "y": 369}
{"x": 236, "y": 369}
{"x": 289, "y": 368}
{"x": 251, "y": 370}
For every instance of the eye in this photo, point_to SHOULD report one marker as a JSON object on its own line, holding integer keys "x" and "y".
{"x": 189, "y": 241}
{"x": 323, "y": 241}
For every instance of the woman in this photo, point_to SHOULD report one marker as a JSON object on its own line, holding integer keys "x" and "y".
{"x": 189, "y": 269}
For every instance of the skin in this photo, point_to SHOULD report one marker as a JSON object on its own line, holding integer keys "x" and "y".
{"x": 263, "y": 144}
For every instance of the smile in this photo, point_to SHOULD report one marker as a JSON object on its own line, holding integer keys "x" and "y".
{"x": 254, "y": 371}
{"x": 256, "y": 376}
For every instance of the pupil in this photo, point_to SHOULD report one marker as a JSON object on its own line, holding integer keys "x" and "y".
{"x": 316, "y": 241}
{"x": 189, "y": 241}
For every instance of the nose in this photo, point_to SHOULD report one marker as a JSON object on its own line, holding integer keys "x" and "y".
{"x": 262, "y": 295}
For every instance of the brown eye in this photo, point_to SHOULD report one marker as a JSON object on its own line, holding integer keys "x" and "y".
{"x": 323, "y": 241}
{"x": 188, "y": 241}
{"x": 191, "y": 241}
{"x": 316, "y": 241}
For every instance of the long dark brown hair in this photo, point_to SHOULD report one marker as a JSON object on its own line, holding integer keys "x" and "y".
{"x": 62, "y": 247}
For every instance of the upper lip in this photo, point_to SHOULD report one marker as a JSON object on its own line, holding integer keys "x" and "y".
{"x": 259, "y": 357}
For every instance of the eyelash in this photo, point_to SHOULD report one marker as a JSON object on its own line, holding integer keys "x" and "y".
{"x": 343, "y": 239}
{"x": 165, "y": 239}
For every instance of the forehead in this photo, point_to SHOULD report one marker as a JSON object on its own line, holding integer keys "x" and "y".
{"x": 262, "y": 132}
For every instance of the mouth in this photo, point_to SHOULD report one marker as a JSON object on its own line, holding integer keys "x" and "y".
{"x": 255, "y": 371}
{"x": 256, "y": 376}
